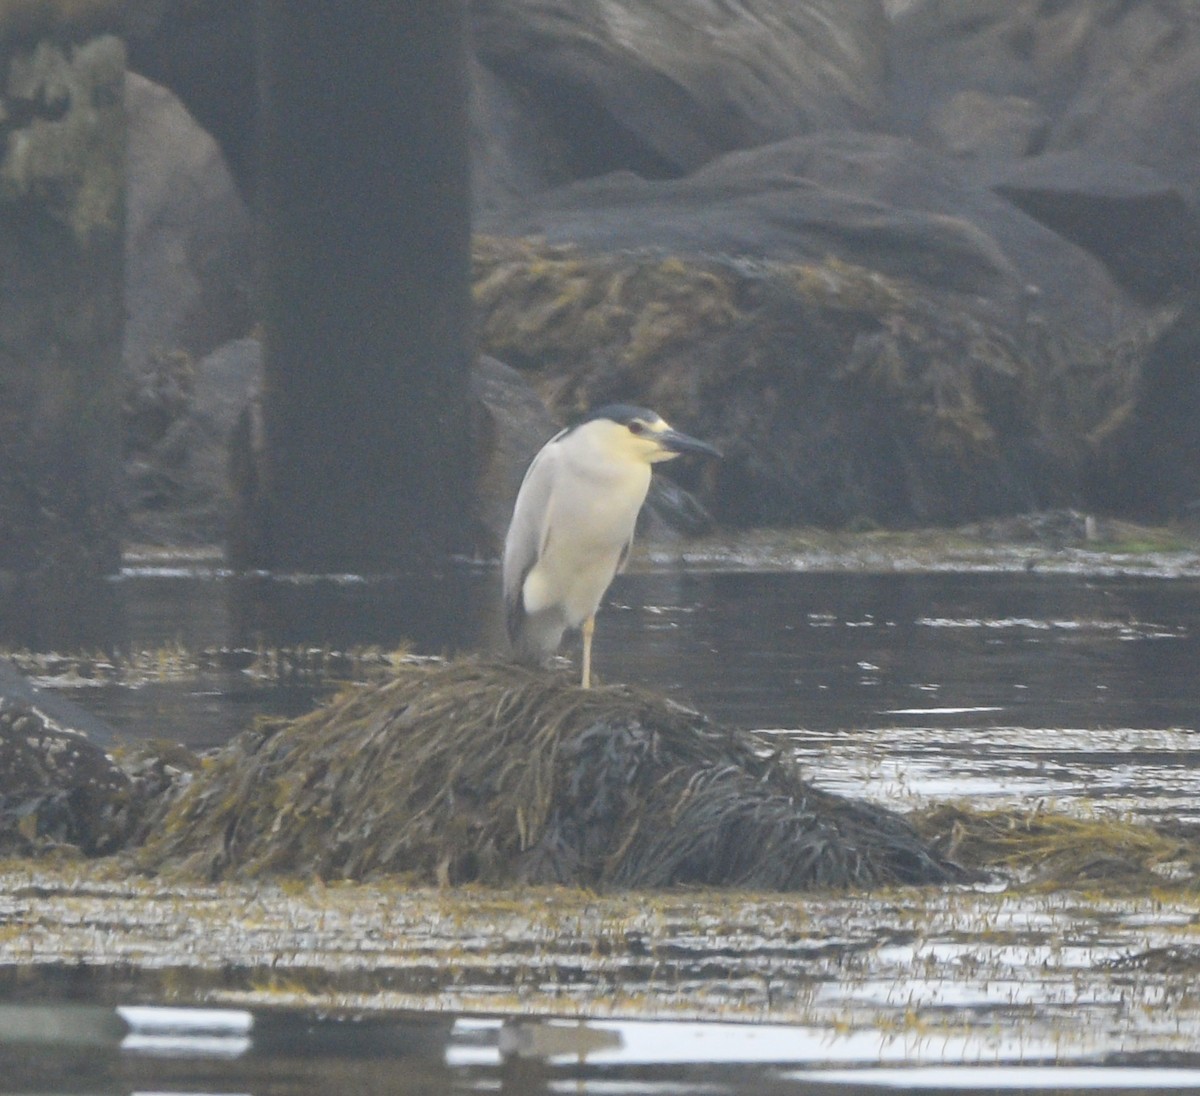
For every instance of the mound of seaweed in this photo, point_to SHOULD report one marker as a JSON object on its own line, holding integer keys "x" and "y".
{"x": 483, "y": 771}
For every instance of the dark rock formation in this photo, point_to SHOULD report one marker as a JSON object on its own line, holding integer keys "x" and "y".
{"x": 1144, "y": 229}
{"x": 1148, "y": 465}
{"x": 1039, "y": 183}
{"x": 975, "y": 125}
{"x": 880, "y": 202}
{"x": 1110, "y": 77}
{"x": 203, "y": 50}
{"x": 180, "y": 421}
{"x": 60, "y": 791}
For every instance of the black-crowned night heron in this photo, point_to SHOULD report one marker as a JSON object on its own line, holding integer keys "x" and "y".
{"x": 573, "y": 523}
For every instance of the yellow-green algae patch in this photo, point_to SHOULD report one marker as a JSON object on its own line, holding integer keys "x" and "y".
{"x": 1062, "y": 849}
{"x": 481, "y": 771}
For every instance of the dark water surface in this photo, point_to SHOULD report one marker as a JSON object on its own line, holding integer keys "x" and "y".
{"x": 1080, "y": 691}
{"x": 821, "y": 651}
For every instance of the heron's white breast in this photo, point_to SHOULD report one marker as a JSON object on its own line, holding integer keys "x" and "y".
{"x": 589, "y": 523}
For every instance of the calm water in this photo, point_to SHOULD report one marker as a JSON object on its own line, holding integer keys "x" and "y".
{"x": 904, "y": 687}
{"x": 1081, "y": 692}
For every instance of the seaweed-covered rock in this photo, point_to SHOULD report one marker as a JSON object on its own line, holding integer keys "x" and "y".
{"x": 881, "y": 202}
{"x": 838, "y": 395}
{"x": 57, "y": 788}
{"x": 478, "y": 771}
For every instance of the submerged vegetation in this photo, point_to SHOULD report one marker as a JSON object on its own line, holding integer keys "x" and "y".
{"x": 905, "y": 974}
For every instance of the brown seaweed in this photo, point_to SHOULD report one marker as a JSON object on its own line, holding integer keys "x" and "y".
{"x": 479, "y": 771}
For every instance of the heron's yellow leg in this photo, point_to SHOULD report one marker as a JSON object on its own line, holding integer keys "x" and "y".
{"x": 589, "y": 626}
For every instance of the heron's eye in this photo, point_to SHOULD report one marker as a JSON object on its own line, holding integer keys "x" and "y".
{"x": 637, "y": 428}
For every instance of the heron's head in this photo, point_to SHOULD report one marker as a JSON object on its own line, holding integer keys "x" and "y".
{"x": 638, "y": 434}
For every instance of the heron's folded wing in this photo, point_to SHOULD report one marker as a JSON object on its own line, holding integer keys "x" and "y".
{"x": 527, "y": 529}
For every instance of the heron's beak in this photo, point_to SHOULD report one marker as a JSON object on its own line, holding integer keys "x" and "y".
{"x": 675, "y": 442}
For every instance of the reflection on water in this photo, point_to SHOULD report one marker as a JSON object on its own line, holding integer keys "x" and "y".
{"x": 100, "y": 1050}
{"x": 43, "y": 614}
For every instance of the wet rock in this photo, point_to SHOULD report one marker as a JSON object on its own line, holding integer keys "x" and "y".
{"x": 1142, "y": 227}
{"x": 661, "y": 87}
{"x": 472, "y": 771}
{"x": 60, "y": 791}
{"x": 16, "y": 689}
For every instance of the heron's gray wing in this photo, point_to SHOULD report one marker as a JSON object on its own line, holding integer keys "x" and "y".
{"x": 527, "y": 530}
